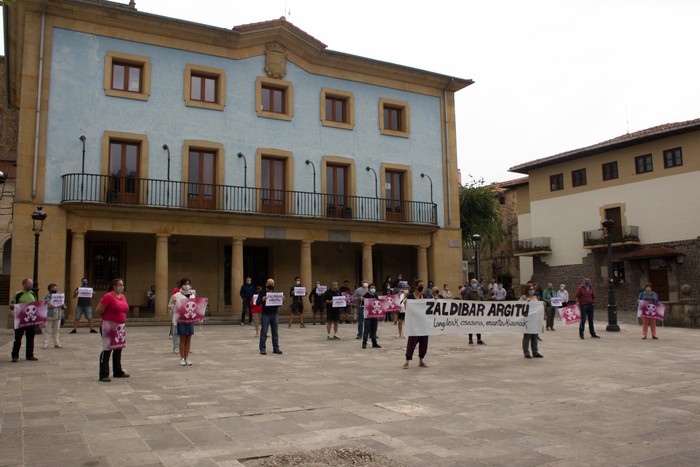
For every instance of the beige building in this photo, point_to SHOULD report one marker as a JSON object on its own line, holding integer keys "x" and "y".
{"x": 644, "y": 182}
{"x": 161, "y": 148}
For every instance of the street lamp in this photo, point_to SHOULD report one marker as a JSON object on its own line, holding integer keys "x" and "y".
{"x": 476, "y": 238}
{"x": 376, "y": 190}
{"x": 313, "y": 167}
{"x": 422, "y": 175}
{"x": 167, "y": 149}
{"x": 38, "y": 218}
{"x": 612, "y": 326}
{"x": 82, "y": 138}
{"x": 245, "y": 169}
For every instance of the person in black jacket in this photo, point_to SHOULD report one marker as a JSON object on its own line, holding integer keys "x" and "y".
{"x": 246, "y": 293}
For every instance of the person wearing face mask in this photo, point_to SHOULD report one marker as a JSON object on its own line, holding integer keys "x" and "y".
{"x": 26, "y": 295}
{"x": 185, "y": 331}
{"x": 531, "y": 339}
{"x": 270, "y": 319}
{"x": 53, "y": 315}
{"x": 246, "y": 293}
{"x": 563, "y": 294}
{"x": 473, "y": 293}
{"x": 332, "y": 313}
{"x": 650, "y": 296}
{"x": 547, "y": 296}
{"x": 84, "y": 306}
{"x": 371, "y": 324}
{"x": 113, "y": 308}
{"x": 585, "y": 299}
{"x": 402, "y": 312}
{"x": 318, "y": 305}
{"x": 359, "y": 303}
{"x": 420, "y": 341}
{"x": 297, "y": 306}
{"x": 346, "y": 312}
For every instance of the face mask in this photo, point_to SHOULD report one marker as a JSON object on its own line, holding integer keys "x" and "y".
{"x": 561, "y": 288}
{"x": 372, "y": 290}
{"x": 648, "y": 289}
{"x": 532, "y": 292}
{"x": 298, "y": 282}
{"x": 474, "y": 286}
{"x": 186, "y": 287}
{"x": 55, "y": 291}
{"x": 334, "y": 288}
{"x": 120, "y": 289}
{"x": 586, "y": 283}
{"x": 420, "y": 289}
{"x": 30, "y": 286}
{"x": 269, "y": 287}
{"x": 365, "y": 284}
{"x": 85, "y": 284}
{"x": 247, "y": 282}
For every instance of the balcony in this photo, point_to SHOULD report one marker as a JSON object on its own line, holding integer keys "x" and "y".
{"x": 151, "y": 193}
{"x": 532, "y": 247}
{"x": 627, "y": 235}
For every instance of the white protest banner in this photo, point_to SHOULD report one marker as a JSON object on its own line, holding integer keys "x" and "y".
{"x": 339, "y": 301}
{"x": 436, "y": 317}
{"x": 320, "y": 289}
{"x": 190, "y": 310}
{"x": 113, "y": 335}
{"x": 299, "y": 291}
{"x": 570, "y": 314}
{"x": 651, "y": 310}
{"x": 85, "y": 292}
{"x": 30, "y": 314}
{"x": 274, "y": 299}
{"x": 58, "y": 299}
{"x": 556, "y": 301}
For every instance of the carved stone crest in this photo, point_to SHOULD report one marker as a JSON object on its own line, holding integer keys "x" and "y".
{"x": 276, "y": 61}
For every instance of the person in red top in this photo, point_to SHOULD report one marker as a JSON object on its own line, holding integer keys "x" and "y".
{"x": 585, "y": 299}
{"x": 113, "y": 307}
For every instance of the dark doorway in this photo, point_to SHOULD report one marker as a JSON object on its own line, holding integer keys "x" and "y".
{"x": 616, "y": 216}
{"x": 658, "y": 276}
{"x": 255, "y": 265}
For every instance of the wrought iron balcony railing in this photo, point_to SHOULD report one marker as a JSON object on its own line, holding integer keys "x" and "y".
{"x": 620, "y": 235}
{"x": 105, "y": 189}
{"x": 533, "y": 246}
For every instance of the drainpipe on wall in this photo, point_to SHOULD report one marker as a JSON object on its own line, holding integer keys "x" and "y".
{"x": 447, "y": 152}
{"x": 38, "y": 98}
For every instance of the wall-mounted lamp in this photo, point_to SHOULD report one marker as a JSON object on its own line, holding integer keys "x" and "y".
{"x": 308, "y": 162}
{"x": 376, "y": 190}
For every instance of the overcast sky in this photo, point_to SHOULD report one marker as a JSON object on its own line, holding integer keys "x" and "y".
{"x": 550, "y": 75}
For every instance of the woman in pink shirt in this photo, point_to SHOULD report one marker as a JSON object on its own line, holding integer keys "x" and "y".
{"x": 113, "y": 309}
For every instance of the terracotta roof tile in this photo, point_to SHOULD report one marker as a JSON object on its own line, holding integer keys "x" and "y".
{"x": 652, "y": 252}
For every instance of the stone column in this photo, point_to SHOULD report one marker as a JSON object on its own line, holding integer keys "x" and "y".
{"x": 236, "y": 276}
{"x": 77, "y": 268}
{"x": 305, "y": 271}
{"x": 422, "y": 263}
{"x": 162, "y": 282}
{"x": 367, "y": 273}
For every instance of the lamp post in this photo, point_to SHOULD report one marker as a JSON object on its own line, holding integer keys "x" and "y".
{"x": 313, "y": 167}
{"x": 38, "y": 218}
{"x": 476, "y": 238}
{"x": 167, "y": 149}
{"x": 612, "y": 326}
{"x": 245, "y": 179}
{"x": 376, "y": 190}
{"x": 82, "y": 170}
{"x": 434, "y": 207}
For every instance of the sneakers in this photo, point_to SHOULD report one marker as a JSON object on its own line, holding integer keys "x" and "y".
{"x": 183, "y": 362}
{"x": 358, "y": 337}
{"x": 188, "y": 362}
{"x": 121, "y": 375}
{"x": 538, "y": 355}
{"x": 105, "y": 380}
{"x": 75, "y": 331}
{"x": 481, "y": 342}
{"x": 336, "y": 338}
{"x": 44, "y": 346}
{"x": 92, "y": 331}
{"x": 175, "y": 349}
{"x": 262, "y": 352}
{"x": 57, "y": 346}
{"x": 242, "y": 323}
{"x": 364, "y": 345}
{"x": 471, "y": 343}
{"x": 277, "y": 351}
{"x": 302, "y": 325}
{"x": 527, "y": 355}
{"x": 376, "y": 346}
{"x": 329, "y": 338}
{"x": 32, "y": 358}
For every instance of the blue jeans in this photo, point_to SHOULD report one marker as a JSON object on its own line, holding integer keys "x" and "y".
{"x": 360, "y": 320}
{"x": 586, "y": 313}
{"x": 271, "y": 321}
{"x": 246, "y": 311}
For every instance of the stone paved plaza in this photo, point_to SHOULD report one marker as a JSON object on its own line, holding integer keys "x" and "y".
{"x": 619, "y": 400}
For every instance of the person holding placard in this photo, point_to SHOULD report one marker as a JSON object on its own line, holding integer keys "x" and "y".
{"x": 113, "y": 308}
{"x": 297, "y": 293}
{"x": 24, "y": 296}
{"x": 334, "y": 303}
{"x": 420, "y": 341}
{"x": 371, "y": 324}
{"x": 84, "y": 307}
{"x": 318, "y": 305}
{"x": 271, "y": 302}
{"x": 474, "y": 293}
{"x": 55, "y": 303}
{"x": 531, "y": 339}
{"x": 547, "y": 296}
{"x": 184, "y": 330}
{"x": 650, "y": 296}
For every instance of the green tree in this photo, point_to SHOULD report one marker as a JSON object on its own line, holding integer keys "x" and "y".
{"x": 6, "y": 2}
{"x": 480, "y": 213}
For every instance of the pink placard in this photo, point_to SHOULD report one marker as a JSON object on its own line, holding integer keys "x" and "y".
{"x": 113, "y": 335}
{"x": 393, "y": 303}
{"x": 375, "y": 308}
{"x": 651, "y": 310}
{"x": 29, "y": 314}
{"x": 570, "y": 314}
{"x": 348, "y": 298}
{"x": 190, "y": 310}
